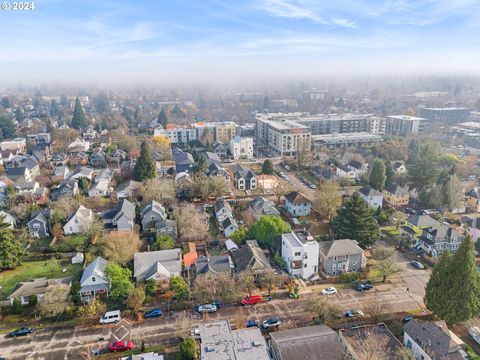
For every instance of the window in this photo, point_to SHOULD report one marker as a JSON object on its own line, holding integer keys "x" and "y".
{"x": 409, "y": 344}
{"x": 305, "y": 265}
{"x": 94, "y": 279}
{"x": 297, "y": 254}
{"x": 346, "y": 257}
{"x": 334, "y": 266}
{"x": 334, "y": 273}
{"x": 354, "y": 263}
{"x": 334, "y": 258}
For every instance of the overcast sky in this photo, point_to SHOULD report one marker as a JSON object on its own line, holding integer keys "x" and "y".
{"x": 215, "y": 40}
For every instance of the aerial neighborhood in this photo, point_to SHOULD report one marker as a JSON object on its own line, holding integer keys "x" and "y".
{"x": 324, "y": 231}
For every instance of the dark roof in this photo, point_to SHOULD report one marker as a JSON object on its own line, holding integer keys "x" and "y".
{"x": 344, "y": 168}
{"x": 340, "y": 248}
{"x": 422, "y": 221}
{"x": 297, "y": 198}
{"x": 396, "y": 190}
{"x": 474, "y": 193}
{"x": 229, "y": 221}
{"x": 215, "y": 264}
{"x": 42, "y": 216}
{"x": 368, "y": 191}
{"x": 124, "y": 206}
{"x": 433, "y": 337}
{"x": 240, "y": 171}
{"x": 16, "y": 171}
{"x": 317, "y": 342}
{"x": 355, "y": 164}
{"x": 183, "y": 158}
{"x": 250, "y": 257}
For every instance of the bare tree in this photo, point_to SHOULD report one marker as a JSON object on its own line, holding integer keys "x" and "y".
{"x": 55, "y": 300}
{"x": 453, "y": 192}
{"x": 386, "y": 268}
{"x": 161, "y": 190}
{"x": 375, "y": 310}
{"x": 324, "y": 311}
{"x": 327, "y": 200}
{"x": 381, "y": 252}
{"x": 247, "y": 280}
{"x": 240, "y": 318}
{"x": 280, "y": 189}
{"x": 192, "y": 223}
{"x": 303, "y": 154}
{"x": 120, "y": 246}
{"x": 93, "y": 310}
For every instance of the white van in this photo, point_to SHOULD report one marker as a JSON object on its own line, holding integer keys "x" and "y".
{"x": 111, "y": 317}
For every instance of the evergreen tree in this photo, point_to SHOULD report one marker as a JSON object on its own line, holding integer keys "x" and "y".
{"x": 19, "y": 115}
{"x": 78, "y": 120}
{"x": 389, "y": 173}
{"x": 377, "y": 175}
{"x": 102, "y": 103}
{"x": 137, "y": 114}
{"x": 54, "y": 108}
{"x": 11, "y": 248}
{"x": 356, "y": 221}
{"x": 163, "y": 119}
{"x": 267, "y": 167}
{"x": 5, "y": 102}
{"x": 145, "y": 166}
{"x": 422, "y": 171}
{"x": 7, "y": 127}
{"x": 439, "y": 285}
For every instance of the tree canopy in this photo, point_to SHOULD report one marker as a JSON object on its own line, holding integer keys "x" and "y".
{"x": 179, "y": 287}
{"x": 11, "y": 247}
{"x": 7, "y": 127}
{"x": 423, "y": 160}
{"x": 145, "y": 167}
{"x": 163, "y": 118}
{"x": 79, "y": 120}
{"x": 121, "y": 285}
{"x": 377, "y": 175}
{"x": 268, "y": 229}
{"x": 267, "y": 167}
{"x": 356, "y": 221}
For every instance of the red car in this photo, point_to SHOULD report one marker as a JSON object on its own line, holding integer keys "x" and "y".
{"x": 121, "y": 346}
{"x": 251, "y": 300}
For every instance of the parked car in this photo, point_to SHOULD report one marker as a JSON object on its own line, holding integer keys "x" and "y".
{"x": 207, "y": 308}
{"x": 407, "y": 319}
{"x": 329, "y": 291}
{"x": 417, "y": 264}
{"x": 195, "y": 334}
{"x": 23, "y": 331}
{"x": 252, "y": 323}
{"x": 111, "y": 317}
{"x": 272, "y": 322}
{"x": 362, "y": 286}
{"x": 153, "y": 313}
{"x": 354, "y": 313}
{"x": 121, "y": 346}
{"x": 251, "y": 300}
{"x": 474, "y": 332}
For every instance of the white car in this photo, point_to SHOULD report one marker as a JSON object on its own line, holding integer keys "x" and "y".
{"x": 207, "y": 308}
{"x": 329, "y": 291}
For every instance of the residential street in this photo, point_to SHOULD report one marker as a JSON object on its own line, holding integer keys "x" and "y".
{"x": 68, "y": 343}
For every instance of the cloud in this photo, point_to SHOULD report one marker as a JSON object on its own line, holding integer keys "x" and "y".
{"x": 290, "y": 9}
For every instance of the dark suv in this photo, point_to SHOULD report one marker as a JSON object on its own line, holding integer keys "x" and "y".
{"x": 362, "y": 285}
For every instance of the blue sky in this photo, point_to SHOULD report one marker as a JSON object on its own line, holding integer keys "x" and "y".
{"x": 213, "y": 39}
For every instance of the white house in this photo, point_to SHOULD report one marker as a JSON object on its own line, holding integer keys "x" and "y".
{"x": 297, "y": 204}
{"x": 372, "y": 197}
{"x": 94, "y": 281}
{"x": 79, "y": 222}
{"x": 241, "y": 147}
{"x": 301, "y": 253}
{"x": 345, "y": 172}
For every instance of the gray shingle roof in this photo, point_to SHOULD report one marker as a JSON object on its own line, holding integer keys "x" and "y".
{"x": 368, "y": 191}
{"x": 95, "y": 268}
{"x": 250, "y": 257}
{"x": 143, "y": 262}
{"x": 396, "y": 190}
{"x": 340, "y": 248}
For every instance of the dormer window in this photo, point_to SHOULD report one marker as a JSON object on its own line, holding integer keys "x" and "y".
{"x": 93, "y": 279}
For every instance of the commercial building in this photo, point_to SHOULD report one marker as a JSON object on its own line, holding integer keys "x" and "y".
{"x": 241, "y": 148}
{"x": 345, "y": 140}
{"x": 301, "y": 253}
{"x": 448, "y": 115}
{"x": 404, "y": 125}
{"x": 204, "y": 132}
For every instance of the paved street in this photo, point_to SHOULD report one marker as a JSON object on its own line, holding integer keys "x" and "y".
{"x": 68, "y": 343}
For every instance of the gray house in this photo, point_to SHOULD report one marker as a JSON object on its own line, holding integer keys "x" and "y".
{"x": 340, "y": 256}
{"x": 36, "y": 287}
{"x": 94, "y": 281}
{"x": 39, "y": 224}
{"x": 261, "y": 206}
{"x": 122, "y": 218}
{"x": 157, "y": 265}
{"x": 183, "y": 162}
{"x": 67, "y": 189}
{"x": 221, "y": 264}
{"x": 152, "y": 213}
{"x": 243, "y": 177}
{"x": 167, "y": 227}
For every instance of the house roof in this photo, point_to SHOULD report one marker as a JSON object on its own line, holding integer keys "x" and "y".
{"x": 297, "y": 198}
{"x": 124, "y": 206}
{"x": 42, "y": 216}
{"x": 37, "y": 286}
{"x": 340, "y": 248}
{"x": 422, "y": 221}
{"x": 145, "y": 264}
{"x": 183, "y": 158}
{"x": 95, "y": 268}
{"x": 434, "y": 338}
{"x": 215, "y": 264}
{"x": 229, "y": 221}
{"x": 355, "y": 164}
{"x": 368, "y": 191}
{"x": 240, "y": 171}
{"x": 220, "y": 204}
{"x": 83, "y": 214}
{"x": 474, "y": 193}
{"x": 317, "y": 342}
{"x": 155, "y": 207}
{"x": 343, "y": 168}
{"x": 261, "y": 206}
{"x": 190, "y": 258}
{"x": 250, "y": 257}
{"x": 395, "y": 189}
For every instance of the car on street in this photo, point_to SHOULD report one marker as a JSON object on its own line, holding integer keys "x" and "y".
{"x": 474, "y": 333}
{"x": 23, "y": 331}
{"x": 251, "y": 300}
{"x": 417, "y": 264}
{"x": 407, "y": 319}
{"x": 153, "y": 313}
{"x": 329, "y": 291}
{"x": 252, "y": 323}
{"x": 362, "y": 285}
{"x": 121, "y": 346}
{"x": 354, "y": 313}
{"x": 195, "y": 333}
{"x": 207, "y": 308}
{"x": 272, "y": 322}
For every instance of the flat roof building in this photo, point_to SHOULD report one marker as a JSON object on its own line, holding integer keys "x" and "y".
{"x": 404, "y": 125}
{"x": 446, "y": 114}
{"x": 344, "y": 140}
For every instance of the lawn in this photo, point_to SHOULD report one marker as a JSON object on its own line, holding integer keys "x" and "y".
{"x": 75, "y": 240}
{"x": 35, "y": 269}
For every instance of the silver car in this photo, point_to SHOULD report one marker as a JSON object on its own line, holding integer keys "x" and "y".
{"x": 207, "y": 308}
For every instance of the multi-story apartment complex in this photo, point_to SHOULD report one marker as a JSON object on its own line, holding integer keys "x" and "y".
{"x": 340, "y": 123}
{"x": 449, "y": 115}
{"x": 301, "y": 254}
{"x": 404, "y": 125}
{"x": 203, "y": 132}
{"x": 281, "y": 135}
{"x": 345, "y": 140}
{"x": 241, "y": 148}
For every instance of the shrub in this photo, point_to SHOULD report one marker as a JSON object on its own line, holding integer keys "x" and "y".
{"x": 350, "y": 277}
{"x": 16, "y": 306}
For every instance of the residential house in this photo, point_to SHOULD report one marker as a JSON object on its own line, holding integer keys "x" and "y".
{"x": 433, "y": 341}
{"x": 121, "y": 218}
{"x": 127, "y": 167}
{"x": 261, "y": 206}
{"x": 340, "y": 256}
{"x": 357, "y": 341}
{"x": 372, "y": 197}
{"x": 215, "y": 166}
{"x": 79, "y": 222}
{"x": 167, "y": 227}
{"x": 94, "y": 282}
{"x": 243, "y": 177}
{"x": 66, "y": 189}
{"x": 100, "y": 187}
{"x": 318, "y": 342}
{"x": 158, "y": 265}
{"x": 297, "y": 204}
{"x": 97, "y": 159}
{"x": 83, "y": 171}
{"x": 223, "y": 210}
{"x": 126, "y": 189}
{"x": 241, "y": 148}
{"x": 23, "y": 170}
{"x": 61, "y": 172}
{"x": 8, "y": 219}
{"x": 26, "y": 188}
{"x": 438, "y": 238}
{"x": 220, "y": 342}
{"x": 24, "y": 291}
{"x": 59, "y": 159}
{"x": 301, "y": 253}
{"x": 183, "y": 162}
{"x": 144, "y": 356}
{"x": 152, "y": 213}
{"x": 251, "y": 258}
{"x": 472, "y": 199}
{"x": 399, "y": 167}
{"x": 220, "y": 149}
{"x": 221, "y": 264}
{"x": 78, "y": 158}
{"x": 228, "y": 226}
{"x": 39, "y": 224}
{"x": 396, "y": 196}
{"x": 344, "y": 172}
{"x": 358, "y": 168}
{"x": 79, "y": 145}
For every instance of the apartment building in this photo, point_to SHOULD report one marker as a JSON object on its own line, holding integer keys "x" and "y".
{"x": 447, "y": 114}
{"x": 241, "y": 148}
{"x": 202, "y": 131}
{"x": 301, "y": 254}
{"x": 404, "y": 125}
